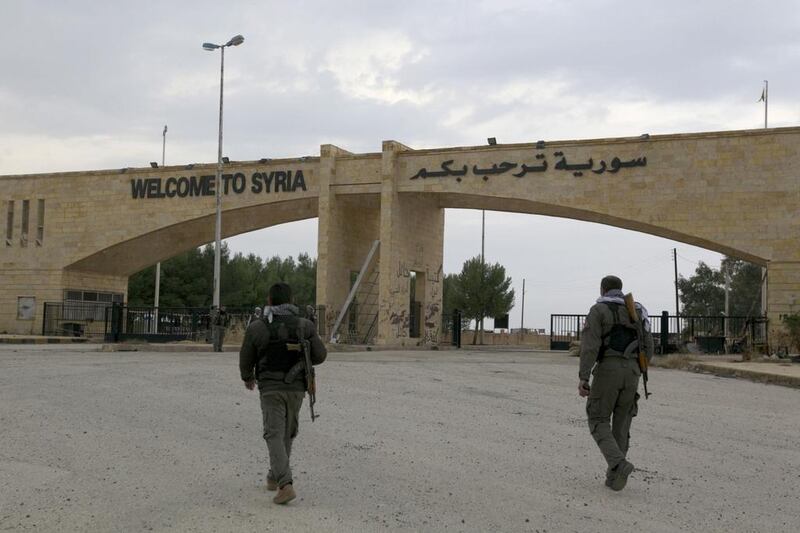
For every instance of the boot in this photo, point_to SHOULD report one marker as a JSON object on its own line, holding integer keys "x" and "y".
{"x": 285, "y": 494}
{"x": 619, "y": 476}
{"x": 271, "y": 484}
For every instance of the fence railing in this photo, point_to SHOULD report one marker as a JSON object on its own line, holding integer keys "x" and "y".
{"x": 174, "y": 324}
{"x": 115, "y": 322}
{"x": 710, "y": 334}
{"x": 74, "y": 319}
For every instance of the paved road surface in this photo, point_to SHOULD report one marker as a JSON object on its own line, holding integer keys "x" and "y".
{"x": 416, "y": 441}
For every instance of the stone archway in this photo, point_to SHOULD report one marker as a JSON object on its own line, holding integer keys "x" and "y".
{"x": 734, "y": 192}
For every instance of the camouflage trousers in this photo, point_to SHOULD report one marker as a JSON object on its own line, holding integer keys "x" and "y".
{"x": 611, "y": 406}
{"x": 281, "y": 411}
{"x": 217, "y": 337}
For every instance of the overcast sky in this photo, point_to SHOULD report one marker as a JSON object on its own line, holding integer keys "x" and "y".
{"x": 89, "y": 85}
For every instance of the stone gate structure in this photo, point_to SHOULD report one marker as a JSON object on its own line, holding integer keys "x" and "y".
{"x": 735, "y": 192}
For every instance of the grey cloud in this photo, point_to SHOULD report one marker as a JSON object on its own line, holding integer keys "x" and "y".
{"x": 103, "y": 68}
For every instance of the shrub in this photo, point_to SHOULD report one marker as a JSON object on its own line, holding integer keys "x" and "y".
{"x": 673, "y": 360}
{"x": 793, "y": 326}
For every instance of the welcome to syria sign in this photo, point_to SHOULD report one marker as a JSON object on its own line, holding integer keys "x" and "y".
{"x": 237, "y": 183}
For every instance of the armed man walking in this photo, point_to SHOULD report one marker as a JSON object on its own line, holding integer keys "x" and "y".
{"x": 219, "y": 321}
{"x": 610, "y": 349}
{"x": 272, "y": 355}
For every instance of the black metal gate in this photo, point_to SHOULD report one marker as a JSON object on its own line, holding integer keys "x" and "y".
{"x": 564, "y": 330}
{"x": 711, "y": 334}
{"x": 157, "y": 325}
{"x": 174, "y": 324}
{"x": 74, "y": 319}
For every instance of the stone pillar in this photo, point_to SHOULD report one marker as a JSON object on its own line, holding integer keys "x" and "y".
{"x": 412, "y": 235}
{"x": 348, "y": 225}
{"x": 783, "y": 295}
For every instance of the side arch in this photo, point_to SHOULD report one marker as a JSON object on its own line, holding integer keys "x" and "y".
{"x": 128, "y": 257}
{"x": 518, "y": 205}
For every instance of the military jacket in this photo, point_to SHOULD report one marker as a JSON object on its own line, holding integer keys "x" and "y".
{"x": 595, "y": 333}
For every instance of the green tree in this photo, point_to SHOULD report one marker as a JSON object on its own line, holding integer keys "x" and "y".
{"x": 450, "y": 303}
{"x": 482, "y": 290}
{"x": 187, "y": 279}
{"x": 792, "y": 323}
{"x": 704, "y": 292}
{"x": 745, "y": 287}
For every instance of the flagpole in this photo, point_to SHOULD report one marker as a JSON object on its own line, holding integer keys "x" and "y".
{"x": 764, "y": 271}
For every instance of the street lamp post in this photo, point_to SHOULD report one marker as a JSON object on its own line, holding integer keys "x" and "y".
{"x": 158, "y": 265}
{"x": 235, "y": 41}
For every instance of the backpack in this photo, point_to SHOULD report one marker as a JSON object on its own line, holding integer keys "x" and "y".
{"x": 620, "y": 337}
{"x": 275, "y": 356}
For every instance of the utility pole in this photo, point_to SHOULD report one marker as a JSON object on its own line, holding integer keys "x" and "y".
{"x": 483, "y": 263}
{"x": 483, "y": 232}
{"x": 522, "y": 319}
{"x": 727, "y": 305}
{"x": 675, "y": 261}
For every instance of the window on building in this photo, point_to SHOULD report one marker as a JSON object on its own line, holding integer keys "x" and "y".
{"x": 40, "y": 224}
{"x": 102, "y": 298}
{"x": 10, "y": 223}
{"x": 26, "y": 212}
{"x": 74, "y": 295}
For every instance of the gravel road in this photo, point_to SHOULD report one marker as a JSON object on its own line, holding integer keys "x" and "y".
{"x": 413, "y": 440}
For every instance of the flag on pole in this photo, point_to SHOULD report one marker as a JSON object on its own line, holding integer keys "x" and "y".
{"x": 763, "y": 95}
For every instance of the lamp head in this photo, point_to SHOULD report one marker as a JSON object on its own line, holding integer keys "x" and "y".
{"x": 210, "y": 46}
{"x": 235, "y": 41}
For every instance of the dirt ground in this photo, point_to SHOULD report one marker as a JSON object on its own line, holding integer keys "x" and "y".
{"x": 416, "y": 441}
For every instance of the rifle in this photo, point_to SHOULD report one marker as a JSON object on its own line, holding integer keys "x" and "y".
{"x": 640, "y": 333}
{"x": 304, "y": 346}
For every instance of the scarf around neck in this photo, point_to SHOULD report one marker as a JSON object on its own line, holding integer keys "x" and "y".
{"x": 279, "y": 310}
{"x": 616, "y": 296}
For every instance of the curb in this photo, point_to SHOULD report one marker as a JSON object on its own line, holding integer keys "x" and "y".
{"x": 207, "y": 348}
{"x": 43, "y": 340}
{"x": 163, "y": 348}
{"x": 751, "y": 375}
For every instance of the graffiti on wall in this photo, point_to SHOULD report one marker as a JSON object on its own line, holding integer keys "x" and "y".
{"x": 432, "y": 318}
{"x": 400, "y": 323}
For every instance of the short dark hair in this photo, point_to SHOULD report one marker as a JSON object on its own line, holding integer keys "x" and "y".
{"x": 280, "y": 293}
{"x": 610, "y": 283}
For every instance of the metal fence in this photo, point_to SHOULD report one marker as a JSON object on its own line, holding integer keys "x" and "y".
{"x": 162, "y": 324}
{"x": 74, "y": 319}
{"x": 710, "y": 334}
{"x": 564, "y": 330}
{"x": 176, "y": 324}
